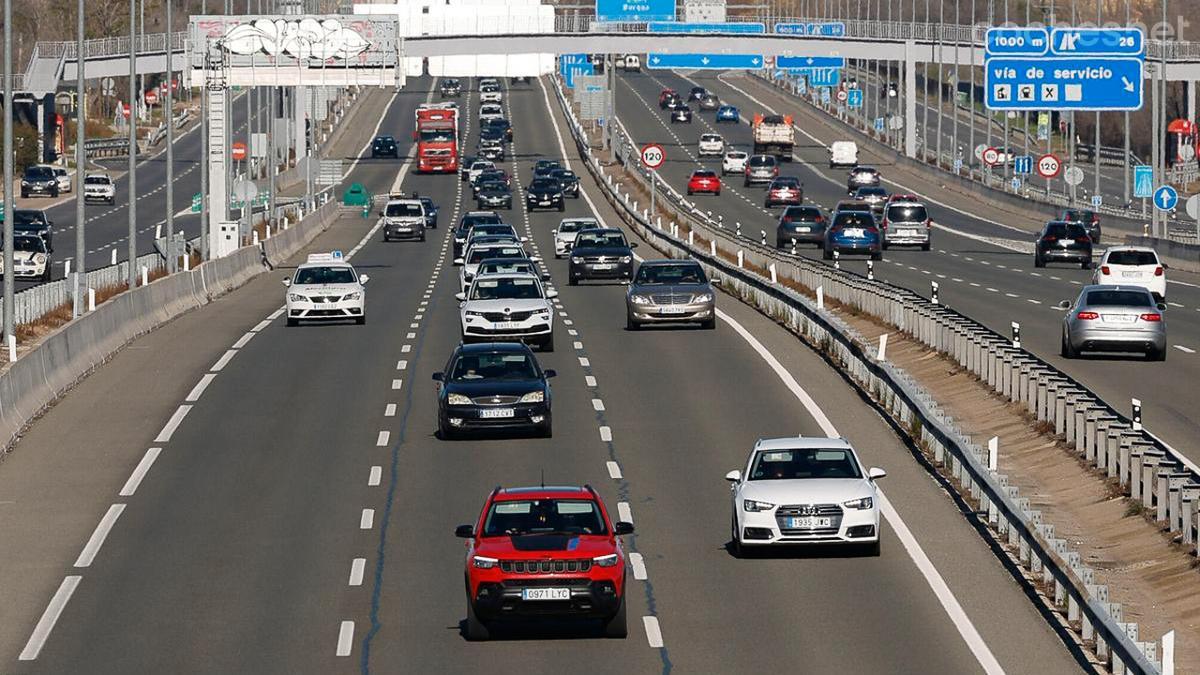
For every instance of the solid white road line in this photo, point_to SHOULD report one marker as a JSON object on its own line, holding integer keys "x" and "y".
{"x": 624, "y": 512}
{"x": 200, "y": 387}
{"x": 962, "y": 622}
{"x": 345, "y": 641}
{"x": 1185, "y": 350}
{"x": 139, "y": 472}
{"x": 653, "y": 632}
{"x": 384, "y": 437}
{"x": 638, "y": 563}
{"x": 243, "y": 340}
{"x": 224, "y": 360}
{"x": 356, "y": 571}
{"x": 41, "y": 632}
{"x": 390, "y": 410}
{"x": 367, "y": 519}
{"x": 614, "y": 470}
{"x": 605, "y": 434}
{"x": 88, "y": 554}
{"x": 173, "y": 424}
{"x": 376, "y": 476}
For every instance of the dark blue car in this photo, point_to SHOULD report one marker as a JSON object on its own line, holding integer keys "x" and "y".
{"x": 728, "y": 113}
{"x": 853, "y": 232}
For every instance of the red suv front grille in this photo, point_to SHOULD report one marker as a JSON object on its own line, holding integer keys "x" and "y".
{"x": 545, "y": 566}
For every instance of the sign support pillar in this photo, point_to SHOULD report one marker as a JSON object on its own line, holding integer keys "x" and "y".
{"x": 910, "y": 101}
{"x": 219, "y": 244}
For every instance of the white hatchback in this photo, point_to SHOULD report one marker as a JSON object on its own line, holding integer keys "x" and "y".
{"x": 711, "y": 145}
{"x": 734, "y": 161}
{"x": 804, "y": 491}
{"x": 1133, "y": 266}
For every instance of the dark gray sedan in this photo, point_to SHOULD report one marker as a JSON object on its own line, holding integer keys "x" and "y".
{"x": 670, "y": 291}
{"x": 1114, "y": 319}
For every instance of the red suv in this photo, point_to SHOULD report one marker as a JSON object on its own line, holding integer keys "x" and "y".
{"x": 667, "y": 97}
{"x": 544, "y": 551}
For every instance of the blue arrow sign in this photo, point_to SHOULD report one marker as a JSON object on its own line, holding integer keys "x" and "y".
{"x": 1016, "y": 184}
{"x": 824, "y": 29}
{"x": 1017, "y": 42}
{"x": 682, "y": 27}
{"x": 1165, "y": 198}
{"x": 1097, "y": 201}
{"x": 1063, "y": 83}
{"x": 1097, "y": 42}
{"x": 854, "y": 98}
{"x": 1143, "y": 181}
{"x": 824, "y": 77}
{"x": 1023, "y": 165}
{"x": 574, "y": 71}
{"x": 705, "y": 61}
{"x": 804, "y": 62}
{"x": 635, "y": 11}
{"x": 879, "y": 124}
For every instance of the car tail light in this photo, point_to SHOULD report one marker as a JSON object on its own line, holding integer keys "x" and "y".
{"x": 1082, "y": 240}
{"x": 883, "y": 225}
{"x": 1104, "y": 270}
{"x": 1049, "y": 237}
{"x": 1087, "y": 316}
{"x": 787, "y": 219}
{"x": 1158, "y": 271}
{"x": 1153, "y": 317}
{"x": 929, "y": 224}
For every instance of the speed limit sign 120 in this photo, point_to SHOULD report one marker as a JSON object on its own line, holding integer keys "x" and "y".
{"x": 1049, "y": 166}
{"x": 653, "y": 156}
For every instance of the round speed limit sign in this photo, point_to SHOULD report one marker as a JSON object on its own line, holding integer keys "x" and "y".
{"x": 1049, "y": 166}
{"x": 653, "y": 156}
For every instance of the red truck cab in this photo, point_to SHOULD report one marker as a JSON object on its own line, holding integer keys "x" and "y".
{"x": 544, "y": 552}
{"x": 437, "y": 140}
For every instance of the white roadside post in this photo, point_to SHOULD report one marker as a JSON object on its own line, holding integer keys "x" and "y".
{"x": 882, "y": 355}
{"x": 1168, "y": 653}
{"x": 820, "y": 297}
{"x": 1016, "y": 335}
{"x": 933, "y": 288}
{"x": 1137, "y": 414}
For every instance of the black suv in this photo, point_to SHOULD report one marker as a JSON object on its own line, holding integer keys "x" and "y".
{"x": 862, "y": 176}
{"x": 1089, "y": 219}
{"x": 498, "y": 379}
{"x": 451, "y": 87}
{"x": 568, "y": 180}
{"x": 500, "y": 127}
{"x": 384, "y": 146}
{"x": 39, "y": 180}
{"x": 494, "y": 194}
{"x": 33, "y": 222}
{"x": 1060, "y": 241}
{"x": 544, "y": 193}
{"x": 468, "y": 221}
{"x": 804, "y": 224}
{"x": 601, "y": 254}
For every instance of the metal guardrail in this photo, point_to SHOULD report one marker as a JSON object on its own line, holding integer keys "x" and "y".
{"x": 1077, "y": 413}
{"x": 33, "y": 303}
{"x": 109, "y": 46}
{"x": 106, "y": 147}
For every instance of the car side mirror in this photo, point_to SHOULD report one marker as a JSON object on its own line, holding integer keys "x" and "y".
{"x": 461, "y": 297}
{"x": 622, "y": 527}
{"x": 1165, "y": 266}
{"x": 437, "y": 377}
{"x": 381, "y": 214}
{"x": 363, "y": 279}
{"x": 633, "y": 245}
{"x": 875, "y": 473}
{"x": 1065, "y": 304}
{"x": 535, "y": 258}
{"x": 551, "y": 294}
{"x": 546, "y": 277}
{"x": 464, "y": 532}
{"x": 287, "y": 282}
{"x": 550, "y": 372}
{"x": 734, "y": 476}
{"x": 1162, "y": 306}
{"x": 458, "y": 261}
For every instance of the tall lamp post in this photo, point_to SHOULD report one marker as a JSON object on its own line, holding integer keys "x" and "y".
{"x": 9, "y": 203}
{"x": 80, "y": 266}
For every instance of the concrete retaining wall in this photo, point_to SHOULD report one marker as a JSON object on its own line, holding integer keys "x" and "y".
{"x": 1177, "y": 255}
{"x": 72, "y": 352}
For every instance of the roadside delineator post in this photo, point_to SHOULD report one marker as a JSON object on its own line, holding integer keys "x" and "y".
{"x": 741, "y": 257}
{"x": 1137, "y": 414}
{"x": 882, "y": 354}
{"x": 1016, "y": 335}
{"x": 870, "y": 270}
{"x": 933, "y": 288}
{"x": 762, "y": 237}
{"x": 837, "y": 260}
{"x": 820, "y": 297}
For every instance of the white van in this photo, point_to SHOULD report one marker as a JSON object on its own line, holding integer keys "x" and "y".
{"x": 843, "y": 153}
{"x": 632, "y": 64}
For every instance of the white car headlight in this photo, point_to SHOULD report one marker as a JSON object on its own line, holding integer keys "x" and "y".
{"x": 534, "y": 397}
{"x": 296, "y": 297}
{"x": 703, "y": 297}
{"x": 639, "y": 300}
{"x": 864, "y": 503}
{"x": 458, "y": 399}
{"x": 753, "y": 506}
{"x": 40, "y": 259}
{"x": 356, "y": 295}
{"x": 626, "y": 258}
{"x": 609, "y": 560}
{"x": 483, "y": 562}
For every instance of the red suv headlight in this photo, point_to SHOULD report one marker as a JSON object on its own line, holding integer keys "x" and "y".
{"x": 609, "y": 560}
{"x": 483, "y": 562}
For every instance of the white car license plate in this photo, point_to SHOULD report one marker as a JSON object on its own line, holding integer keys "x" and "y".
{"x": 671, "y": 309}
{"x": 602, "y": 266}
{"x": 908, "y": 233}
{"x": 854, "y": 232}
{"x": 544, "y": 202}
{"x": 804, "y": 229}
{"x": 495, "y": 413}
{"x": 545, "y": 594}
{"x": 1118, "y": 318}
{"x": 1131, "y": 274}
{"x": 808, "y": 523}
{"x": 507, "y": 325}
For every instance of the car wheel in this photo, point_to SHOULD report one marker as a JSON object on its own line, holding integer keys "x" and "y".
{"x": 717, "y": 193}
{"x": 445, "y": 432}
{"x": 711, "y": 324}
{"x": 1067, "y": 350}
{"x": 883, "y": 245}
{"x": 1087, "y": 265}
{"x": 1038, "y": 262}
{"x": 871, "y": 550}
{"x": 572, "y": 281}
{"x": 477, "y": 630}
{"x": 46, "y": 275}
{"x": 826, "y": 254}
{"x": 1157, "y": 355}
{"x": 24, "y": 194}
{"x": 548, "y": 344}
{"x": 112, "y": 202}
{"x": 630, "y": 324}
{"x": 746, "y": 184}
{"x": 386, "y": 238}
{"x": 877, "y": 256}
{"x": 617, "y": 627}
{"x": 735, "y": 544}
{"x": 292, "y": 323}
{"x": 546, "y": 430}
{"x": 689, "y": 192}
{"x": 925, "y": 246}
{"x": 561, "y": 207}
{"x": 360, "y": 320}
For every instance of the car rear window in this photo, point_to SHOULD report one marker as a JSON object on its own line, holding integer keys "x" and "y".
{"x": 1131, "y": 298}
{"x": 802, "y": 213}
{"x": 907, "y": 214}
{"x": 853, "y": 219}
{"x": 1068, "y": 230}
{"x": 704, "y": 174}
{"x": 761, "y": 160}
{"x": 576, "y": 225}
{"x": 788, "y": 182}
{"x": 736, "y": 155}
{"x": 1132, "y": 258}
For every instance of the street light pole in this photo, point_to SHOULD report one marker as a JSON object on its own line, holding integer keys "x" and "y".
{"x": 80, "y": 267}
{"x": 169, "y": 120}
{"x": 10, "y": 204}
{"x": 133, "y": 273}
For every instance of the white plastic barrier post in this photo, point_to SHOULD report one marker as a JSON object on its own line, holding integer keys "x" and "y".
{"x": 882, "y": 355}
{"x": 91, "y": 299}
{"x": 145, "y": 275}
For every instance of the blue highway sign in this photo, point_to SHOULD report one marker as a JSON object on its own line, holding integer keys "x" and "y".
{"x": 1143, "y": 181}
{"x": 682, "y": 27}
{"x": 854, "y": 98}
{"x": 1017, "y": 42}
{"x": 1165, "y": 198}
{"x": 825, "y": 29}
{"x": 879, "y": 124}
{"x": 1097, "y": 201}
{"x": 824, "y": 77}
{"x": 1085, "y": 83}
{"x": 705, "y": 61}
{"x": 1023, "y": 165}
{"x": 635, "y": 11}
{"x": 825, "y": 95}
{"x": 1097, "y": 42}
{"x": 570, "y": 65}
{"x": 803, "y": 62}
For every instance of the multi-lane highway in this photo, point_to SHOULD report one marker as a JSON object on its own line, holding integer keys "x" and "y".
{"x": 976, "y": 259}
{"x": 298, "y": 513}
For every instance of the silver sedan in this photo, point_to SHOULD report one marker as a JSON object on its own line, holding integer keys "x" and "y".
{"x": 670, "y": 291}
{"x": 1114, "y": 319}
